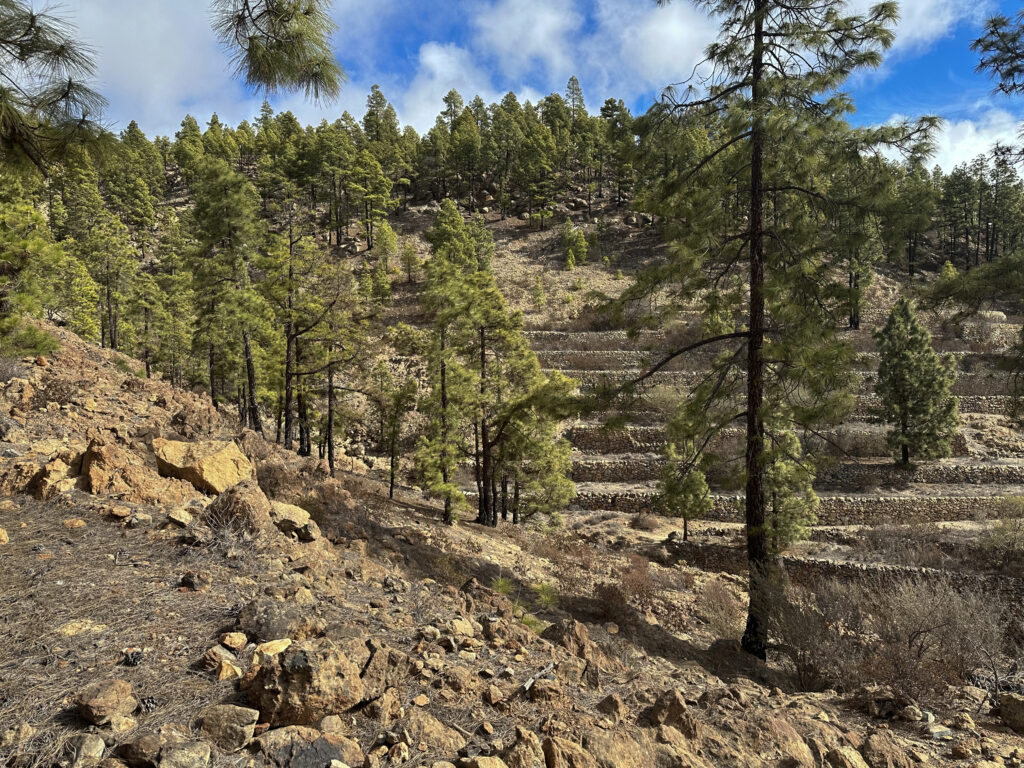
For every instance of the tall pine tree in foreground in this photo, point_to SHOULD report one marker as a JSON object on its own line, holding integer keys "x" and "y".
{"x": 914, "y": 384}
{"x": 748, "y": 199}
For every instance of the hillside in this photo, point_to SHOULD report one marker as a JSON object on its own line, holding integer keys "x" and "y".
{"x": 150, "y": 621}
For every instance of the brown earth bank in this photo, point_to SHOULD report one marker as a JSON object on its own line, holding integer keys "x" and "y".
{"x": 175, "y": 594}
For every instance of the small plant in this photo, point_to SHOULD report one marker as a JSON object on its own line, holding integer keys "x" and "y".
{"x": 503, "y": 585}
{"x": 578, "y": 284}
{"x": 618, "y": 274}
{"x": 546, "y": 595}
{"x": 540, "y": 298}
{"x": 575, "y": 243}
{"x": 534, "y": 624}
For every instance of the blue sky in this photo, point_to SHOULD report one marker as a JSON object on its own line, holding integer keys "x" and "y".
{"x": 159, "y": 60}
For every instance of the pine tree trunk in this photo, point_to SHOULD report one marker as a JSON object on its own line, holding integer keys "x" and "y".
{"x": 504, "y": 496}
{"x": 212, "y": 364}
{"x": 330, "y": 417}
{"x": 250, "y": 372}
{"x": 449, "y": 519}
{"x": 755, "y": 636}
{"x": 486, "y": 471}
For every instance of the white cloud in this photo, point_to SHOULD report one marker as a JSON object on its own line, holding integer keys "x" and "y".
{"x": 157, "y": 60}
{"x": 962, "y": 140}
{"x": 522, "y": 34}
{"x": 923, "y": 22}
{"x": 640, "y": 47}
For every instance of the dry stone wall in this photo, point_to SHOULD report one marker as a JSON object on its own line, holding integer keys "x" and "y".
{"x": 809, "y": 572}
{"x": 833, "y": 510}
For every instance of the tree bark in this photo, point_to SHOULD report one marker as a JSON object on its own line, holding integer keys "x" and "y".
{"x": 250, "y": 372}
{"x": 330, "y": 417}
{"x": 755, "y": 636}
{"x": 448, "y": 518}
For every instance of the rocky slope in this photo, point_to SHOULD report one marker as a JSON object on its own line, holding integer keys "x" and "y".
{"x": 177, "y": 595}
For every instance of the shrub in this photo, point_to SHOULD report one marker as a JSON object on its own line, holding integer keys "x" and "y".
{"x": 611, "y": 602}
{"x": 645, "y": 522}
{"x": 721, "y": 609}
{"x": 915, "y": 636}
{"x": 1006, "y": 538}
{"x": 636, "y": 580}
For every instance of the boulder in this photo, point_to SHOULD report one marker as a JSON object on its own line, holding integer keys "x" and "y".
{"x": 305, "y": 684}
{"x": 297, "y": 746}
{"x": 242, "y": 507}
{"x": 562, "y": 753}
{"x": 267, "y": 620}
{"x": 1011, "y": 710}
{"x": 19, "y": 476}
{"x": 293, "y": 520}
{"x": 426, "y": 729}
{"x": 618, "y": 749}
{"x": 110, "y": 470}
{"x": 87, "y": 749}
{"x": 192, "y": 754}
{"x": 880, "y": 750}
{"x": 105, "y": 699}
{"x": 228, "y": 726}
{"x": 57, "y": 477}
{"x": 670, "y": 709}
{"x": 211, "y": 466}
{"x": 387, "y": 668}
{"x": 613, "y": 706}
{"x": 525, "y": 751}
{"x": 845, "y": 757}
{"x": 147, "y": 750}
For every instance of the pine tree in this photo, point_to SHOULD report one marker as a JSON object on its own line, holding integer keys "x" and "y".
{"x": 773, "y": 117}
{"x": 28, "y": 260}
{"x": 279, "y": 45}
{"x": 228, "y": 232}
{"x": 575, "y": 244}
{"x": 683, "y": 490}
{"x": 914, "y": 385}
{"x": 411, "y": 262}
{"x": 45, "y": 101}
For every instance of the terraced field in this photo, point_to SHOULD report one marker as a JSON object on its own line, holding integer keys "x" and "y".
{"x": 617, "y": 470}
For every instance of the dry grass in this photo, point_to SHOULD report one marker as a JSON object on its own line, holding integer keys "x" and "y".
{"x": 78, "y": 598}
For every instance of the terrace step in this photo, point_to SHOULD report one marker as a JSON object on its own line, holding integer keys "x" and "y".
{"x": 940, "y": 504}
{"x": 619, "y": 361}
{"x": 844, "y": 476}
{"x": 856, "y": 439}
{"x": 986, "y": 384}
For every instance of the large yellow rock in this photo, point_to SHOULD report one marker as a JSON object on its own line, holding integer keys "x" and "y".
{"x": 211, "y": 465}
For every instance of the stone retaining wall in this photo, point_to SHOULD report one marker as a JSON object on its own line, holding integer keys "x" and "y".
{"x": 967, "y": 384}
{"x": 833, "y": 510}
{"x": 863, "y": 441}
{"x": 806, "y": 571}
{"x": 809, "y": 572}
{"x": 617, "y": 360}
{"x": 641, "y": 467}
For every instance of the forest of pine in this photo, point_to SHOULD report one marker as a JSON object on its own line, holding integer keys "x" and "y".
{"x": 440, "y": 307}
